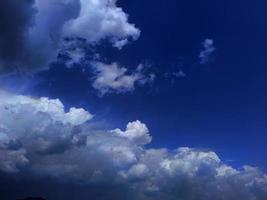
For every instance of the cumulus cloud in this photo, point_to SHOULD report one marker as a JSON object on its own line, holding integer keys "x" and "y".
{"x": 54, "y": 108}
{"x": 207, "y": 50}
{"x": 136, "y": 132}
{"x": 32, "y": 32}
{"x": 101, "y": 19}
{"x": 39, "y": 138}
{"x": 112, "y": 78}
{"x": 41, "y": 125}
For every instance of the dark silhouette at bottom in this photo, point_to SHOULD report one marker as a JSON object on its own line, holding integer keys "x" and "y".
{"x": 33, "y": 198}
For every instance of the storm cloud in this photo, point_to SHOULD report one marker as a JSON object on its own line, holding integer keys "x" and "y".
{"x": 55, "y": 147}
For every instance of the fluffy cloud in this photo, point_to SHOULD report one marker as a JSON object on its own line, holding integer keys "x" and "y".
{"x": 54, "y": 108}
{"x": 136, "y": 132}
{"x": 101, "y": 19}
{"x": 32, "y": 32}
{"x": 41, "y": 125}
{"x": 207, "y": 50}
{"x": 40, "y": 139}
{"x": 111, "y": 78}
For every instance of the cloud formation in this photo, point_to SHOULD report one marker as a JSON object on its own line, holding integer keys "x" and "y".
{"x": 32, "y": 32}
{"x": 136, "y": 132}
{"x": 112, "y": 78}
{"x": 207, "y": 50}
{"x": 101, "y": 19}
{"x": 49, "y": 142}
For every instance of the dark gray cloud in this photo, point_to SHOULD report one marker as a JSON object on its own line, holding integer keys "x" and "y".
{"x": 31, "y": 33}
{"x": 50, "y": 148}
{"x": 16, "y": 17}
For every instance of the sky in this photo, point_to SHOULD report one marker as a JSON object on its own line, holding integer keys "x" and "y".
{"x": 138, "y": 100}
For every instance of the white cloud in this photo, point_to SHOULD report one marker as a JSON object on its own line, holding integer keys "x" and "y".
{"x": 99, "y": 19}
{"x": 225, "y": 170}
{"x": 29, "y": 125}
{"x": 120, "y": 44}
{"x": 207, "y": 51}
{"x": 38, "y": 137}
{"x": 135, "y": 131}
{"x": 136, "y": 172}
{"x": 187, "y": 161}
{"x": 52, "y": 107}
{"x": 111, "y": 78}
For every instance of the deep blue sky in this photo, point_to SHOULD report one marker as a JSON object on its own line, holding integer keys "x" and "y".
{"x": 220, "y": 105}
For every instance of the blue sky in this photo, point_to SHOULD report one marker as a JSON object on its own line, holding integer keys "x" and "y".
{"x": 214, "y": 102}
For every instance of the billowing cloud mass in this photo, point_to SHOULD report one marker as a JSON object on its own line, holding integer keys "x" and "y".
{"x": 47, "y": 142}
{"x": 207, "y": 50}
{"x": 32, "y": 32}
{"x": 112, "y": 78}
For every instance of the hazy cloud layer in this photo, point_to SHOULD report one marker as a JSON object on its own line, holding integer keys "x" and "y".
{"x": 32, "y": 31}
{"x": 48, "y": 142}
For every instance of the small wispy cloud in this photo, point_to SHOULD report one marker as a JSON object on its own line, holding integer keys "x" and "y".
{"x": 112, "y": 78}
{"x": 207, "y": 50}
